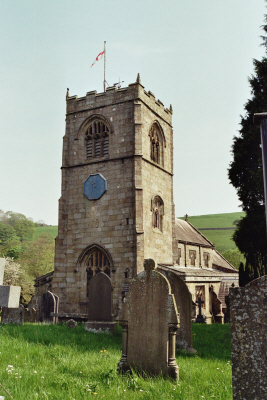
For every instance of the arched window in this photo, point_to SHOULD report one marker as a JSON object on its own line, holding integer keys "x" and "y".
{"x": 156, "y": 144}
{"x": 96, "y": 261}
{"x": 157, "y": 208}
{"x": 97, "y": 139}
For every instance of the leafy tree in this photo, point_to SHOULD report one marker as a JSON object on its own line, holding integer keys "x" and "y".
{"x": 38, "y": 257}
{"x": 16, "y": 276}
{"x": 7, "y": 232}
{"x": 23, "y": 226}
{"x": 246, "y": 175}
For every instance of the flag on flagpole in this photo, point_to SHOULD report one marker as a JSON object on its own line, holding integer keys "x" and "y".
{"x": 100, "y": 55}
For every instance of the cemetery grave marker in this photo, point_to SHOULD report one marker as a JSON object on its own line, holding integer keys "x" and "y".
{"x": 200, "y": 319}
{"x": 48, "y": 304}
{"x": 248, "y": 321}
{"x": 9, "y": 295}
{"x": 100, "y": 304}
{"x": 149, "y": 320}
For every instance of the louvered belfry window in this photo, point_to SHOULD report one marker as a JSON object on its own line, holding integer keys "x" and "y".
{"x": 97, "y": 140}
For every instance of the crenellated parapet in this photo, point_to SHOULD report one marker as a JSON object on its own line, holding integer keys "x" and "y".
{"x": 115, "y": 96}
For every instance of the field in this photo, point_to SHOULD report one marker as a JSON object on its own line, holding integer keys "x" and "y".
{"x": 53, "y": 362}
{"x": 222, "y": 239}
{"x": 52, "y": 230}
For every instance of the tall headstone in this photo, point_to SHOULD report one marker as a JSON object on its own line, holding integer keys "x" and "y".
{"x": 48, "y": 304}
{"x": 248, "y": 320}
{"x": 183, "y": 299}
{"x": 100, "y": 314}
{"x": 149, "y": 320}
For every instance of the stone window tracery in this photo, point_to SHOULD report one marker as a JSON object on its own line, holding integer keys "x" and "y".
{"x": 156, "y": 144}
{"x": 157, "y": 208}
{"x": 97, "y": 139}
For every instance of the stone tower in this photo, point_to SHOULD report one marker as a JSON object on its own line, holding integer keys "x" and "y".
{"x": 116, "y": 206}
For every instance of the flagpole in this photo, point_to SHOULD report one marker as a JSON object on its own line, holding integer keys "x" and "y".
{"x": 104, "y": 66}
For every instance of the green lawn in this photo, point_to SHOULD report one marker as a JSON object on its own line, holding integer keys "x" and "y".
{"x": 53, "y": 362}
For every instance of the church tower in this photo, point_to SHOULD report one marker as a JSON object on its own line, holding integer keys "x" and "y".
{"x": 116, "y": 206}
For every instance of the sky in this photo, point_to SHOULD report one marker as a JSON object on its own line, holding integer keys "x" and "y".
{"x": 194, "y": 54}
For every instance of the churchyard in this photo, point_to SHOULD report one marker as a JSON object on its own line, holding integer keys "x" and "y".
{"x": 55, "y": 362}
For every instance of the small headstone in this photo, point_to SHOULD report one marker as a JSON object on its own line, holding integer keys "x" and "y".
{"x": 100, "y": 316}
{"x": 71, "y": 323}
{"x": 200, "y": 319}
{"x": 31, "y": 315}
{"x": 48, "y": 304}
{"x": 12, "y": 315}
{"x": 149, "y": 320}
{"x": 248, "y": 321}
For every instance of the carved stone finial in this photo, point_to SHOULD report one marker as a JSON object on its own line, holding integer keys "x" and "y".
{"x": 67, "y": 94}
{"x": 138, "y": 79}
{"x": 149, "y": 264}
{"x": 170, "y": 108}
{"x": 186, "y": 217}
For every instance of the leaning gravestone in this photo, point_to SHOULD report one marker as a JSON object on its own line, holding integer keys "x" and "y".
{"x": 9, "y": 295}
{"x": 248, "y": 320}
{"x": 100, "y": 315}
{"x": 183, "y": 300}
{"x": 149, "y": 320}
{"x": 48, "y": 304}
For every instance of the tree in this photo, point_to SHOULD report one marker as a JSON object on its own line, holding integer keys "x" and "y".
{"x": 16, "y": 276}
{"x": 23, "y": 226}
{"x": 246, "y": 175}
{"x": 38, "y": 257}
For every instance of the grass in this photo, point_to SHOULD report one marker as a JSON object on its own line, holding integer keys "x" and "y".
{"x": 52, "y": 230}
{"x": 215, "y": 220}
{"x": 53, "y": 362}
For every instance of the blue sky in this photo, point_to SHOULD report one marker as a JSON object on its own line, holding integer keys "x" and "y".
{"x": 193, "y": 54}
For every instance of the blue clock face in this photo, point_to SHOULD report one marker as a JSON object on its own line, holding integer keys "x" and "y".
{"x": 95, "y": 186}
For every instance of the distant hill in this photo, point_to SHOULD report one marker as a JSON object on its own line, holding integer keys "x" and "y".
{"x": 222, "y": 239}
{"x": 51, "y": 229}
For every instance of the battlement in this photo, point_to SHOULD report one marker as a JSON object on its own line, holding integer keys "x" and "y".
{"x": 113, "y": 95}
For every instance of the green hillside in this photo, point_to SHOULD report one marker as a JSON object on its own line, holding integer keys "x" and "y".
{"x": 52, "y": 230}
{"x": 222, "y": 239}
{"x": 215, "y": 220}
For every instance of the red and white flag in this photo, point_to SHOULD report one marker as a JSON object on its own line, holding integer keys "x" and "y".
{"x": 100, "y": 55}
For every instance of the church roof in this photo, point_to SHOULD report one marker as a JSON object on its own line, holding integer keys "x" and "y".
{"x": 221, "y": 262}
{"x": 185, "y": 232}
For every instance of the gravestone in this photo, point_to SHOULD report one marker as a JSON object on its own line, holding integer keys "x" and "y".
{"x": 48, "y": 304}
{"x": 183, "y": 300}
{"x": 248, "y": 321}
{"x": 13, "y": 315}
{"x": 149, "y": 321}
{"x": 9, "y": 295}
{"x": 31, "y": 315}
{"x": 200, "y": 319}
{"x": 100, "y": 315}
